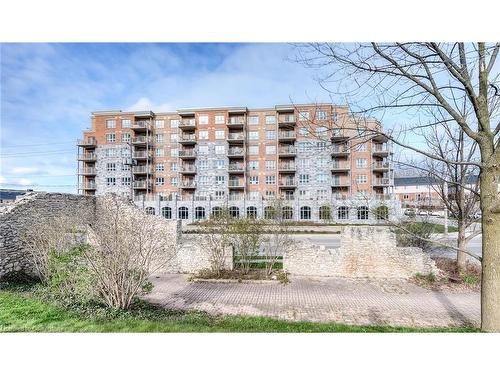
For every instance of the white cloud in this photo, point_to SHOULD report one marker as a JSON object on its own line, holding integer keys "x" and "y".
{"x": 26, "y": 170}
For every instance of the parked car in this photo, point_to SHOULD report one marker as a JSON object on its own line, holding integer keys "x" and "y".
{"x": 409, "y": 212}
{"x": 423, "y": 213}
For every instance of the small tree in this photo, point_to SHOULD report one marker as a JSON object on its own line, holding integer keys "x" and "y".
{"x": 247, "y": 238}
{"x": 218, "y": 237}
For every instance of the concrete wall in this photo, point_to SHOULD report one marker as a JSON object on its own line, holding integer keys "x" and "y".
{"x": 364, "y": 252}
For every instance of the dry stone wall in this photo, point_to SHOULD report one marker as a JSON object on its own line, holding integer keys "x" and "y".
{"x": 363, "y": 252}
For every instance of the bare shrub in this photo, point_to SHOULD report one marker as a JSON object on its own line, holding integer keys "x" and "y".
{"x": 246, "y": 238}
{"x": 218, "y": 236}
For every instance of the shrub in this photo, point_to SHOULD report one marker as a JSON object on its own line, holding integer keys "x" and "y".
{"x": 415, "y": 234}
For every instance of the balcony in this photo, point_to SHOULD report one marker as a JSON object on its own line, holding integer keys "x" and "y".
{"x": 141, "y": 126}
{"x": 382, "y": 182}
{"x": 235, "y": 137}
{"x": 187, "y": 154}
{"x": 235, "y": 122}
{"x": 188, "y": 184}
{"x": 339, "y": 135}
{"x": 187, "y": 124}
{"x": 236, "y": 168}
{"x": 236, "y": 184}
{"x": 187, "y": 139}
{"x": 87, "y": 156}
{"x": 286, "y": 136}
{"x": 87, "y": 171}
{"x": 382, "y": 166}
{"x": 141, "y": 140}
{"x": 235, "y": 153}
{"x": 341, "y": 151}
{"x": 91, "y": 185}
{"x": 188, "y": 169}
{"x": 338, "y": 182}
{"x": 141, "y": 184}
{"x": 288, "y": 183}
{"x": 286, "y": 120}
{"x": 381, "y": 149}
{"x": 142, "y": 169}
{"x": 142, "y": 155}
{"x": 340, "y": 167}
{"x": 287, "y": 151}
{"x": 286, "y": 167}
{"x": 87, "y": 143}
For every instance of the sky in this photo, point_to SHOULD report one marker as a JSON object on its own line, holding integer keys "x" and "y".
{"x": 48, "y": 92}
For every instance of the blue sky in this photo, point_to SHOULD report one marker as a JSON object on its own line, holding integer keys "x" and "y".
{"x": 49, "y": 90}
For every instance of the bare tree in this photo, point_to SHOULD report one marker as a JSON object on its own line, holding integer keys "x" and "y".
{"x": 246, "y": 238}
{"x": 458, "y": 83}
{"x": 126, "y": 247}
{"x": 217, "y": 232}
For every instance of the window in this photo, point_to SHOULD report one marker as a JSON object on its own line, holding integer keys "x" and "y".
{"x": 150, "y": 210}
{"x": 174, "y": 181}
{"x": 321, "y": 146}
{"x": 183, "y": 213}
{"x": 321, "y": 131}
{"x": 174, "y": 152}
{"x": 203, "y": 120}
{"x": 304, "y": 194}
{"x": 159, "y": 181}
{"x": 270, "y": 180}
{"x": 159, "y": 138}
{"x": 203, "y": 134}
{"x": 361, "y": 163}
{"x": 335, "y": 116}
{"x": 343, "y": 213}
{"x": 219, "y": 180}
{"x": 173, "y": 137}
{"x": 325, "y": 213}
{"x": 110, "y": 138}
{"x": 270, "y": 150}
{"x": 269, "y": 213}
{"x": 234, "y": 211}
{"x": 303, "y": 178}
{"x": 159, "y": 152}
{"x": 216, "y": 211}
{"x": 304, "y": 163}
{"x": 219, "y": 194}
{"x": 203, "y": 150}
{"x": 166, "y": 212}
{"x": 220, "y": 150}
{"x": 270, "y": 194}
{"x": 270, "y": 165}
{"x": 305, "y": 146}
{"x": 125, "y": 137}
{"x": 361, "y": 179}
{"x": 253, "y": 150}
{"x": 159, "y": 167}
{"x": 287, "y": 213}
{"x": 303, "y": 131}
{"x": 174, "y": 123}
{"x": 253, "y": 120}
{"x": 361, "y": 147}
{"x": 159, "y": 124}
{"x": 406, "y": 196}
{"x": 321, "y": 115}
{"x": 126, "y": 181}
{"x": 322, "y": 194}
{"x": 125, "y": 167}
{"x": 126, "y": 123}
{"x": 322, "y": 163}
{"x": 111, "y": 167}
{"x": 253, "y": 180}
{"x": 305, "y": 213}
{"x": 110, "y": 181}
{"x": 126, "y": 152}
{"x": 199, "y": 213}
{"x": 110, "y": 152}
{"x": 253, "y": 164}
{"x": 203, "y": 180}
{"x": 253, "y": 195}
{"x": 363, "y": 213}
{"x": 220, "y": 163}
{"x": 173, "y": 167}
{"x": 253, "y": 136}
{"x": 219, "y": 119}
{"x": 270, "y": 120}
{"x": 110, "y": 124}
{"x": 203, "y": 164}
{"x": 252, "y": 212}
{"x": 304, "y": 115}
{"x": 220, "y": 134}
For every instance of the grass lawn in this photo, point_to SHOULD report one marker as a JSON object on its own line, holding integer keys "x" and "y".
{"x": 21, "y": 312}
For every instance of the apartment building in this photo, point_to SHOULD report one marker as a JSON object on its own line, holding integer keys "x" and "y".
{"x": 315, "y": 152}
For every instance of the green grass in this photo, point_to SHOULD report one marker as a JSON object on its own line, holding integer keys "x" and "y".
{"x": 21, "y": 312}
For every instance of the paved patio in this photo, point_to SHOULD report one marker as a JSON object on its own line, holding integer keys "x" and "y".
{"x": 350, "y": 301}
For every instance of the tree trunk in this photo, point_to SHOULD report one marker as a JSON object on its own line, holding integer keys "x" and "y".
{"x": 490, "y": 286}
{"x": 461, "y": 256}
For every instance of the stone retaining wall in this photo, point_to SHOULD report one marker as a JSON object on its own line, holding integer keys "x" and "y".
{"x": 364, "y": 252}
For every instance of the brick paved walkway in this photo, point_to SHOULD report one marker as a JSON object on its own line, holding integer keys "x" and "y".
{"x": 359, "y": 302}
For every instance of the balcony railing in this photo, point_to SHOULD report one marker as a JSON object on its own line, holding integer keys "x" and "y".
{"x": 141, "y": 125}
{"x": 235, "y": 137}
{"x": 287, "y": 119}
{"x": 87, "y": 156}
{"x": 381, "y": 148}
{"x": 290, "y": 182}
{"x": 283, "y": 167}
{"x": 235, "y": 152}
{"x": 381, "y": 165}
{"x": 238, "y": 121}
{"x": 141, "y": 139}
{"x": 87, "y": 171}
{"x": 188, "y": 169}
{"x": 141, "y": 184}
{"x": 341, "y": 150}
{"x": 187, "y": 124}
{"x": 235, "y": 183}
{"x": 88, "y": 142}
{"x": 89, "y": 186}
{"x": 187, "y": 153}
{"x": 381, "y": 182}
{"x": 236, "y": 167}
{"x": 142, "y": 169}
{"x": 339, "y": 134}
{"x": 142, "y": 154}
{"x": 187, "y": 138}
{"x": 340, "y": 182}
{"x": 340, "y": 167}
{"x": 188, "y": 184}
{"x": 287, "y": 150}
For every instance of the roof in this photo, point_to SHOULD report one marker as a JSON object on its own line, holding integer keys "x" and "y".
{"x": 425, "y": 180}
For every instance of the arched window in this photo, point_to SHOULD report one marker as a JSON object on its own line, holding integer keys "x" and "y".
{"x": 269, "y": 212}
{"x": 150, "y": 210}
{"x": 363, "y": 213}
{"x": 252, "y": 212}
{"x": 343, "y": 213}
{"x": 382, "y": 212}
{"x": 216, "y": 211}
{"x": 305, "y": 213}
{"x": 183, "y": 213}
{"x": 325, "y": 213}
{"x": 287, "y": 213}
{"x": 234, "y": 211}
{"x": 166, "y": 212}
{"x": 199, "y": 213}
